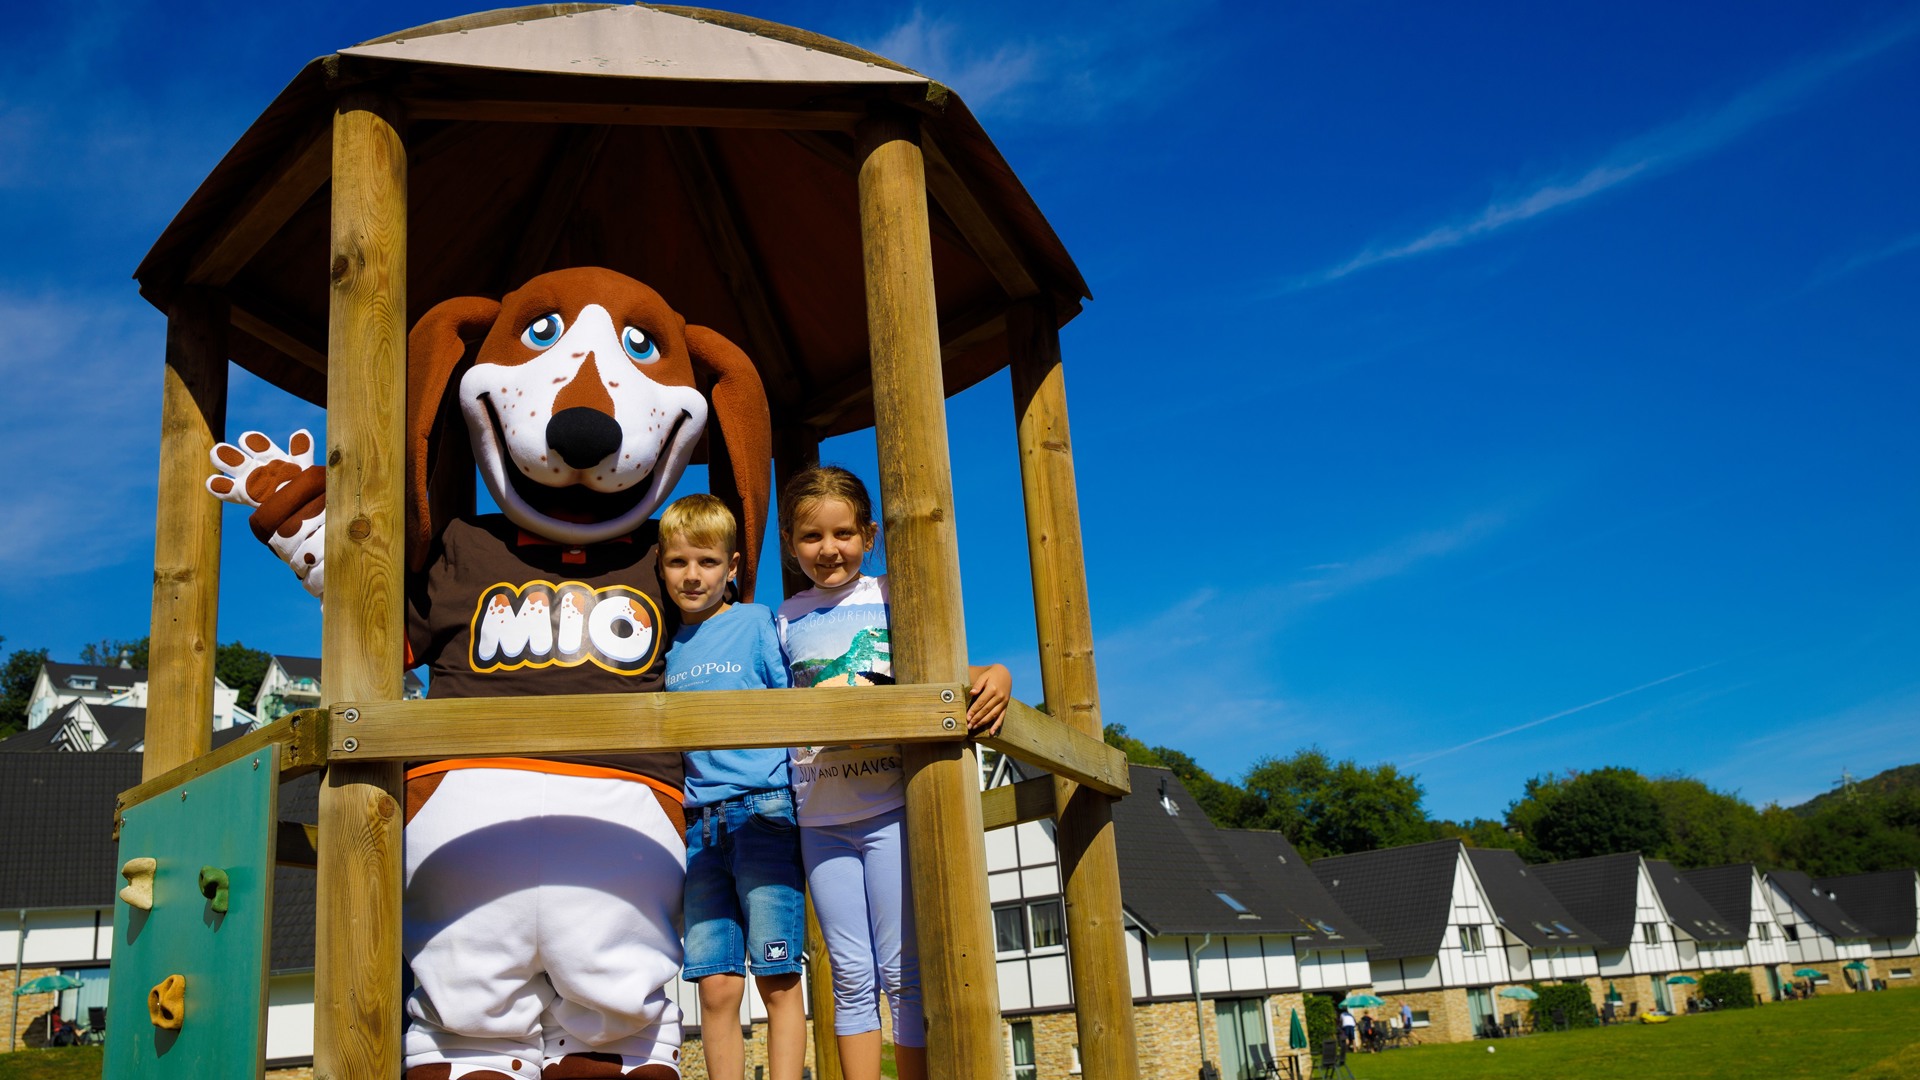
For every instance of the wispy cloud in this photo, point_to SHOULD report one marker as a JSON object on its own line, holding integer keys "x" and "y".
{"x": 939, "y": 47}
{"x": 1868, "y": 258}
{"x": 1642, "y": 156}
{"x": 1417, "y": 759}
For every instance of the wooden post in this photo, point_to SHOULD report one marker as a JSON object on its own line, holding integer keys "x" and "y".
{"x": 186, "y": 542}
{"x": 357, "y": 958}
{"x": 1096, "y": 938}
{"x": 826, "y": 1047}
{"x": 958, "y": 983}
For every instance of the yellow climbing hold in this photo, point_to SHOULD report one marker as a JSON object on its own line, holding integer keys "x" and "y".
{"x": 167, "y": 1003}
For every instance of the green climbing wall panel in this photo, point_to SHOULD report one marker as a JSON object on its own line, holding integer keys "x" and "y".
{"x": 226, "y": 819}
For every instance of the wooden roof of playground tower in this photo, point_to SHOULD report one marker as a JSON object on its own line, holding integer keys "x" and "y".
{"x": 710, "y": 155}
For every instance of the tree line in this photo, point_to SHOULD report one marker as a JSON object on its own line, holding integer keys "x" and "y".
{"x": 240, "y": 667}
{"x": 1327, "y": 807}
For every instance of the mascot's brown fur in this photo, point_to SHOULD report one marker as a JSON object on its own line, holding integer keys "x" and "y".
{"x": 537, "y": 949}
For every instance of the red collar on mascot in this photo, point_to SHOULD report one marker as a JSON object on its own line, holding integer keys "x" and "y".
{"x": 582, "y": 405}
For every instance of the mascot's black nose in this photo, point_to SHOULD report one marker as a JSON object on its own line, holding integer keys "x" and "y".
{"x": 582, "y": 437}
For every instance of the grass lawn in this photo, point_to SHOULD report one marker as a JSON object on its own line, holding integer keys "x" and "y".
{"x": 65, "y": 1063}
{"x": 1842, "y": 1037}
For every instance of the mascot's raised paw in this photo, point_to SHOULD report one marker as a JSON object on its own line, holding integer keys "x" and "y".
{"x": 288, "y": 493}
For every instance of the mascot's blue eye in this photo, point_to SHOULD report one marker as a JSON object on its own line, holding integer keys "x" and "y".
{"x": 544, "y": 331}
{"x": 639, "y": 345}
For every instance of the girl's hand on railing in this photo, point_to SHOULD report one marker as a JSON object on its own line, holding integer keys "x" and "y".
{"x": 991, "y": 690}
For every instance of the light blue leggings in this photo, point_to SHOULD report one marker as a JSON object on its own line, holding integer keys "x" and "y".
{"x": 857, "y": 874}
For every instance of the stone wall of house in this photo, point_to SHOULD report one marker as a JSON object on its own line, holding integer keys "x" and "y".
{"x": 1883, "y": 970}
{"x": 1055, "y": 1034}
{"x": 1635, "y": 990}
{"x": 1166, "y": 1038}
{"x": 27, "y": 1014}
{"x": 1448, "y": 1018}
{"x": 1280, "y": 1010}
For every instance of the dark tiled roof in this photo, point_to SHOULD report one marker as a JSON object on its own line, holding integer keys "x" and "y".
{"x": 59, "y": 852}
{"x": 1524, "y": 905}
{"x": 104, "y": 676}
{"x": 1816, "y": 905}
{"x": 1883, "y": 902}
{"x": 1285, "y": 882}
{"x": 1599, "y": 891}
{"x": 125, "y": 727}
{"x": 308, "y": 667}
{"x": 1402, "y": 896}
{"x": 1172, "y": 864}
{"x": 40, "y": 738}
{"x": 1687, "y": 909}
{"x": 1730, "y": 890}
{"x": 57, "y": 817}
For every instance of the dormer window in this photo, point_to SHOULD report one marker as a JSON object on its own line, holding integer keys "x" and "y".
{"x": 83, "y": 682}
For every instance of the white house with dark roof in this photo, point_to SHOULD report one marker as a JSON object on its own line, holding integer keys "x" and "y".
{"x": 293, "y": 683}
{"x": 1440, "y": 948}
{"x": 1820, "y": 933}
{"x": 1614, "y": 895}
{"x": 1739, "y": 895}
{"x": 1542, "y": 940}
{"x": 60, "y": 687}
{"x": 1887, "y": 903}
{"x": 1704, "y": 940}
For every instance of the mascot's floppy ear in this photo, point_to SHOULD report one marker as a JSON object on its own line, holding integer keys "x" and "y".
{"x": 434, "y": 349}
{"x": 740, "y": 404}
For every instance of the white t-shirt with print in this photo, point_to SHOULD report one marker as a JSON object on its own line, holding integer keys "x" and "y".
{"x": 838, "y": 637}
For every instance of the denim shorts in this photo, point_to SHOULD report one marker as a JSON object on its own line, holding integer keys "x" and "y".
{"x": 746, "y": 905}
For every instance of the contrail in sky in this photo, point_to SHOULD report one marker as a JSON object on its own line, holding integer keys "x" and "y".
{"x": 1419, "y": 758}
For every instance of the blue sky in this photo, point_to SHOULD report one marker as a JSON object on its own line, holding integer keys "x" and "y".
{"x": 1491, "y": 392}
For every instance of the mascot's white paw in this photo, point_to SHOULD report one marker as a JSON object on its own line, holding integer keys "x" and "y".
{"x": 288, "y": 496}
{"x": 256, "y": 467}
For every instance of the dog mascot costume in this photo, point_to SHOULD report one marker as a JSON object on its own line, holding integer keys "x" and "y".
{"x": 541, "y": 896}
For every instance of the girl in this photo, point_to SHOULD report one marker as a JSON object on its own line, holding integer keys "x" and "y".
{"x": 851, "y": 801}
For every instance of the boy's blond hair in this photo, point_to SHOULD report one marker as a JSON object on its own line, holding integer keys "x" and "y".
{"x": 701, "y": 520}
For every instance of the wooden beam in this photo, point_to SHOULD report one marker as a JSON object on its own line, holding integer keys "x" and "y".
{"x": 641, "y": 723}
{"x": 573, "y": 161}
{"x": 186, "y": 551}
{"x": 718, "y": 217}
{"x": 302, "y": 737}
{"x": 985, "y": 235}
{"x": 509, "y": 111}
{"x": 945, "y": 843}
{"x": 1089, "y": 863}
{"x": 357, "y": 1011}
{"x": 1011, "y": 804}
{"x": 263, "y": 211}
{"x": 1050, "y": 743}
{"x": 268, "y": 331}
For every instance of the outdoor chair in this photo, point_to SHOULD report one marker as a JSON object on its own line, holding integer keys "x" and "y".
{"x": 1510, "y": 1025}
{"x": 1264, "y": 1066}
{"x": 1560, "y": 1020}
{"x": 1633, "y": 1010}
{"x": 1333, "y": 1061}
{"x": 96, "y": 1032}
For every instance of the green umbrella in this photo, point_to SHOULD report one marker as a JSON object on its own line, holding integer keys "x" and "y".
{"x": 1681, "y": 980}
{"x": 47, "y": 984}
{"x": 1809, "y": 973}
{"x": 1297, "y": 1036}
{"x": 1361, "y": 1001}
{"x": 1613, "y": 993}
{"x": 1519, "y": 993}
{"x": 1856, "y": 966}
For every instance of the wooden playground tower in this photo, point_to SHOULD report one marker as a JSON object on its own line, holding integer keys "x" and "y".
{"x": 843, "y": 219}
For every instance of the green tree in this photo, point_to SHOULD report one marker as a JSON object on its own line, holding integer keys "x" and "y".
{"x": 1707, "y": 827}
{"x": 242, "y": 669}
{"x": 108, "y": 652}
{"x": 17, "y": 677}
{"x": 1334, "y": 808}
{"x": 1137, "y": 752}
{"x": 1601, "y": 812}
{"x": 1480, "y": 833}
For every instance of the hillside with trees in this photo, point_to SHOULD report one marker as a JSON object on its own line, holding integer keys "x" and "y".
{"x": 1329, "y": 807}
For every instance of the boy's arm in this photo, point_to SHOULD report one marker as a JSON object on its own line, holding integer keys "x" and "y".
{"x": 991, "y": 689}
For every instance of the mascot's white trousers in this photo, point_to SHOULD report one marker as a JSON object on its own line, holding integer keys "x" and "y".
{"x": 540, "y": 922}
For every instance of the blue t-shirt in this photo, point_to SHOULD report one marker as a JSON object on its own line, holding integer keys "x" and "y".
{"x": 734, "y": 650}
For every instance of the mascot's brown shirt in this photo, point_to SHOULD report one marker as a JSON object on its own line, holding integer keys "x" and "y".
{"x": 502, "y": 613}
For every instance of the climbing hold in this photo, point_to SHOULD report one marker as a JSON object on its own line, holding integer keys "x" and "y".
{"x": 167, "y": 1003}
{"x": 213, "y": 886}
{"x": 138, "y": 892}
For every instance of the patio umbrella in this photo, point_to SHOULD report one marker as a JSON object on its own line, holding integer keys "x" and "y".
{"x": 1809, "y": 973}
{"x": 1613, "y": 993}
{"x": 1519, "y": 993}
{"x": 1856, "y": 966}
{"x": 48, "y": 984}
{"x": 1681, "y": 980}
{"x": 1296, "y": 1034}
{"x": 1361, "y": 1001}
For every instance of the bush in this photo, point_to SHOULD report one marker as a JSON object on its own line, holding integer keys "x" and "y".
{"x": 1323, "y": 1020}
{"x": 1576, "y": 999}
{"x": 1728, "y": 989}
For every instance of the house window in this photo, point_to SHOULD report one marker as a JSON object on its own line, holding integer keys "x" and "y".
{"x": 1766, "y": 932}
{"x": 1900, "y": 973}
{"x": 83, "y": 682}
{"x": 1792, "y": 931}
{"x": 1049, "y": 924}
{"x": 1420, "y": 1018}
{"x": 1010, "y": 928}
{"x": 1024, "y": 1067}
{"x": 1650, "y": 933}
{"x": 1470, "y": 940}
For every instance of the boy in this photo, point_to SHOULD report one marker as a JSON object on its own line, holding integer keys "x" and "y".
{"x": 745, "y": 907}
